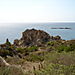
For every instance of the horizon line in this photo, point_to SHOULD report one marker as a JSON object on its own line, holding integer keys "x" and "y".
{"x": 42, "y": 22}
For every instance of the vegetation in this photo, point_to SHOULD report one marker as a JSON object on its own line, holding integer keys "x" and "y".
{"x": 4, "y": 53}
{"x": 56, "y": 69}
{"x": 55, "y": 58}
{"x": 32, "y": 48}
{"x": 34, "y": 58}
{"x": 10, "y": 71}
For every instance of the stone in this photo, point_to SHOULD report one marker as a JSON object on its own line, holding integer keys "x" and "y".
{"x": 3, "y": 62}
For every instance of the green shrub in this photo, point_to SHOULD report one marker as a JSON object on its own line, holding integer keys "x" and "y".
{"x": 50, "y": 43}
{"x": 67, "y": 49}
{"x": 72, "y": 46}
{"x": 32, "y": 48}
{"x": 28, "y": 49}
{"x": 60, "y": 48}
{"x": 21, "y": 50}
{"x": 4, "y": 53}
{"x": 34, "y": 57}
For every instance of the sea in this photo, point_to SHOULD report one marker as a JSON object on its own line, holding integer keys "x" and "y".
{"x": 14, "y": 30}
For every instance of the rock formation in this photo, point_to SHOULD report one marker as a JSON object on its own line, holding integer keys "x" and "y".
{"x": 3, "y": 62}
{"x": 34, "y": 37}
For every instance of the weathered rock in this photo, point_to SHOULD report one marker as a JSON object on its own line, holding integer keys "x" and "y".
{"x": 16, "y": 42}
{"x": 34, "y": 37}
{"x": 5, "y": 45}
{"x": 57, "y": 37}
{"x": 3, "y": 62}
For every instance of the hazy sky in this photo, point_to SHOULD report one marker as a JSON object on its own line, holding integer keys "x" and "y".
{"x": 37, "y": 10}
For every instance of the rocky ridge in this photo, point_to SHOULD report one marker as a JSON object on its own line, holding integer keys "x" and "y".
{"x": 34, "y": 37}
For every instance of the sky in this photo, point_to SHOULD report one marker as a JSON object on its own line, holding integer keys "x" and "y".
{"x": 23, "y": 11}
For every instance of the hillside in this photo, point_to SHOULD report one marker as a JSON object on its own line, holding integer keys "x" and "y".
{"x": 37, "y": 53}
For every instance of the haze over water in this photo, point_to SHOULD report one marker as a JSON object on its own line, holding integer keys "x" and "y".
{"x": 14, "y": 30}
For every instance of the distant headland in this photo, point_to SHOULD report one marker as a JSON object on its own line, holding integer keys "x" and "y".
{"x": 61, "y": 28}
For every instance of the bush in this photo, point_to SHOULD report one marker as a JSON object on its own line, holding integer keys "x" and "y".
{"x": 21, "y": 50}
{"x": 72, "y": 46}
{"x": 50, "y": 43}
{"x": 4, "y": 53}
{"x": 34, "y": 57}
{"x": 27, "y": 50}
{"x": 32, "y": 48}
{"x": 67, "y": 49}
{"x": 60, "y": 48}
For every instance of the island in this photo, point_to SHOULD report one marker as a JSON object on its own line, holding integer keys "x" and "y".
{"x": 60, "y": 28}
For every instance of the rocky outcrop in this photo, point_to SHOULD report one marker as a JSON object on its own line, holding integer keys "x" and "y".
{"x": 34, "y": 37}
{"x": 57, "y": 37}
{"x": 3, "y": 62}
{"x": 5, "y": 45}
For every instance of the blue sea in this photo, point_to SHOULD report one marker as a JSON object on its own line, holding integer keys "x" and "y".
{"x": 14, "y": 30}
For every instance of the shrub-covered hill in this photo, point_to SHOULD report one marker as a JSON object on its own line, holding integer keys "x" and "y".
{"x": 48, "y": 56}
{"x": 41, "y": 63}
